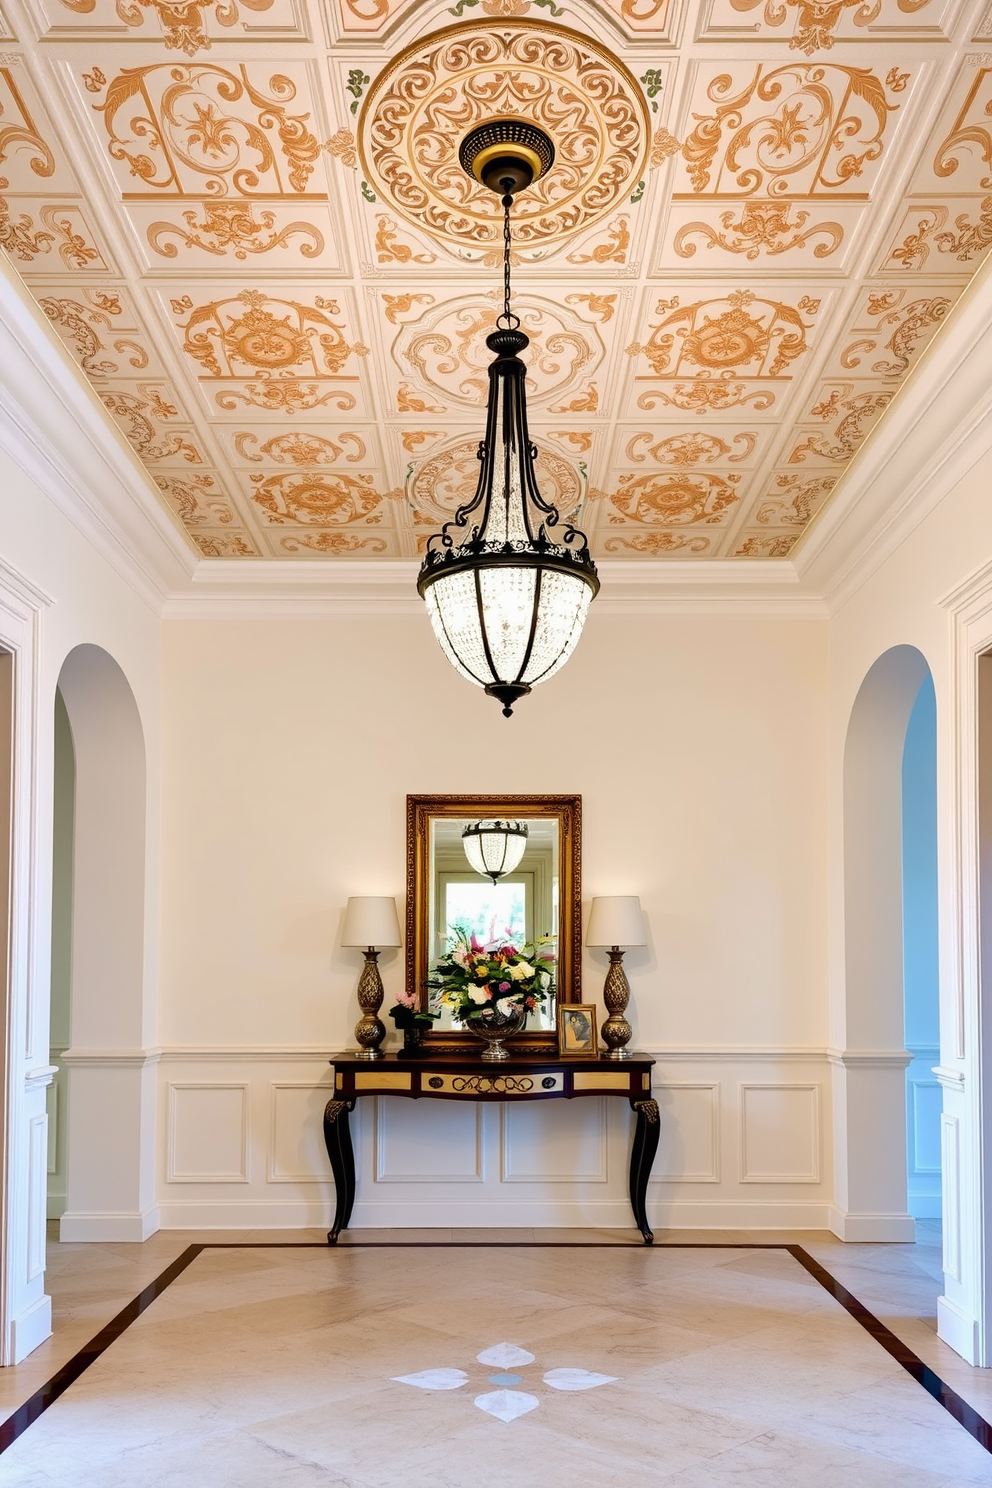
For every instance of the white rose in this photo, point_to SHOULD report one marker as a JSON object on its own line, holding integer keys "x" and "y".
{"x": 521, "y": 972}
{"x": 506, "y": 1006}
{"x": 478, "y": 994}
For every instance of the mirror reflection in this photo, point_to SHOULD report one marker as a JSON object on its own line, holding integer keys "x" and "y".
{"x": 494, "y": 881}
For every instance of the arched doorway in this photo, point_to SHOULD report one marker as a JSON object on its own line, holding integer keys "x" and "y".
{"x": 871, "y": 1106}
{"x": 109, "y": 1153}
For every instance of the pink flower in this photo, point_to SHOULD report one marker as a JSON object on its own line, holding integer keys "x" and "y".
{"x": 407, "y": 999}
{"x": 475, "y": 944}
{"x": 504, "y": 986}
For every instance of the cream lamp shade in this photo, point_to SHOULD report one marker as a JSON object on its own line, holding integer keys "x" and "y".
{"x": 371, "y": 920}
{"x": 616, "y": 920}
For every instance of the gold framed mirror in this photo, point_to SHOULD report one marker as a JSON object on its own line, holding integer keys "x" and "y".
{"x": 539, "y": 895}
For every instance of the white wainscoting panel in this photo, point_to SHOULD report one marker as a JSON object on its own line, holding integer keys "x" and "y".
{"x": 243, "y": 1147}
{"x": 208, "y": 1132}
{"x": 780, "y": 1132}
{"x": 419, "y": 1142}
{"x": 295, "y": 1151}
{"x": 689, "y": 1149}
{"x": 554, "y": 1142}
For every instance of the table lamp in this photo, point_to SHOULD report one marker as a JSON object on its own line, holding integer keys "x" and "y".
{"x": 371, "y": 924}
{"x": 615, "y": 922}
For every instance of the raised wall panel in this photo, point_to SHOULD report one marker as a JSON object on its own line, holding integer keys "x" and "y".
{"x": 296, "y": 1144}
{"x": 689, "y": 1149}
{"x": 927, "y": 1100}
{"x": 553, "y": 1142}
{"x": 430, "y": 1142}
{"x": 950, "y": 1152}
{"x": 37, "y": 1194}
{"x": 208, "y": 1132}
{"x": 780, "y": 1133}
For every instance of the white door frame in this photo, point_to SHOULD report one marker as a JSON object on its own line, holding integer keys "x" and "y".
{"x": 25, "y": 1310}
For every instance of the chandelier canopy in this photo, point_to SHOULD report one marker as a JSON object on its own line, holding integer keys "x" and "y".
{"x": 507, "y": 596}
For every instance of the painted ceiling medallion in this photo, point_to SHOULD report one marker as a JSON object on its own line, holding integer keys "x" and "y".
{"x": 435, "y": 92}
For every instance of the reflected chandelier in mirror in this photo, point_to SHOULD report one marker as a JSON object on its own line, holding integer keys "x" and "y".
{"x": 539, "y": 900}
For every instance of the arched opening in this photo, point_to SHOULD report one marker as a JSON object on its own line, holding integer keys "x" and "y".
{"x": 108, "y": 1167}
{"x": 871, "y": 1103}
{"x": 921, "y": 1002}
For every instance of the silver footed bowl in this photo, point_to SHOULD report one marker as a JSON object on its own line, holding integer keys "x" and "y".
{"x": 494, "y": 1027}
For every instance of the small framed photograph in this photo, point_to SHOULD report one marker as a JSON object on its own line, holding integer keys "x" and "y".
{"x": 577, "y": 1031}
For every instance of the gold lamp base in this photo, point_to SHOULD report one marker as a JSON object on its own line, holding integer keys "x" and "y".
{"x": 616, "y": 1031}
{"x": 370, "y": 1029}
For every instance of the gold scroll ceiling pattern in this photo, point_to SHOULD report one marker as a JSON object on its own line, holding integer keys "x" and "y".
{"x": 246, "y": 221}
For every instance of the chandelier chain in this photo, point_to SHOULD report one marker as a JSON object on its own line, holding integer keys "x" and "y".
{"x": 507, "y": 321}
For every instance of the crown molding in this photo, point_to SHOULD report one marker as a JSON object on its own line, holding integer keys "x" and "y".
{"x": 56, "y": 429}
{"x": 938, "y": 425}
{"x": 265, "y": 589}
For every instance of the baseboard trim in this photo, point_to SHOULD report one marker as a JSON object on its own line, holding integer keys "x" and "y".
{"x": 31, "y": 1329}
{"x": 957, "y": 1330}
{"x": 885, "y": 1229}
{"x": 129, "y": 1226}
{"x": 406, "y": 1213}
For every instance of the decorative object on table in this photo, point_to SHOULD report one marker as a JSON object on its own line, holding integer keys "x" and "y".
{"x": 491, "y": 986}
{"x": 494, "y": 848}
{"x": 616, "y": 921}
{"x": 411, "y": 1020}
{"x": 370, "y": 924}
{"x": 577, "y": 1031}
{"x": 507, "y": 599}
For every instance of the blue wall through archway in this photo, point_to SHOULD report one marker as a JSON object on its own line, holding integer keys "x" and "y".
{"x": 920, "y": 954}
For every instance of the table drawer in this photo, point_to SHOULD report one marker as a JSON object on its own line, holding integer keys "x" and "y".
{"x": 465, "y": 1082}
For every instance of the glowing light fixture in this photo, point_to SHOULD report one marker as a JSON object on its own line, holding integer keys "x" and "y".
{"x": 507, "y": 597}
{"x": 494, "y": 848}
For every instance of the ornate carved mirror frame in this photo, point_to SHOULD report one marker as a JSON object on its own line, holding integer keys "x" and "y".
{"x": 421, "y": 811}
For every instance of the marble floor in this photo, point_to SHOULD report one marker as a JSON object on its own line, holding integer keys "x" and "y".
{"x": 515, "y": 1363}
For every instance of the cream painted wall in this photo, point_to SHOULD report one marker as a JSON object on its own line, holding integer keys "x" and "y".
{"x": 698, "y": 747}
{"x": 902, "y": 604}
{"x": 69, "y": 595}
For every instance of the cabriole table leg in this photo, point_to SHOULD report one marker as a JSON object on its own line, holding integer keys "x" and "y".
{"x": 646, "y": 1134}
{"x": 337, "y": 1140}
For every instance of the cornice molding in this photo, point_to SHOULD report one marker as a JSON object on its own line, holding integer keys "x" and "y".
{"x": 268, "y": 588}
{"x": 938, "y": 425}
{"x": 55, "y": 428}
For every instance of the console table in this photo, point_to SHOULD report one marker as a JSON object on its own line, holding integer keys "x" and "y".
{"x": 467, "y": 1077}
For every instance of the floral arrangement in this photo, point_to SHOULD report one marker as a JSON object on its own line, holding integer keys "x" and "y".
{"x": 477, "y": 976}
{"x": 407, "y": 1012}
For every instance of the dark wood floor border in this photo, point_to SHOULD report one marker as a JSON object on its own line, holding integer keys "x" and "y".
{"x": 25, "y": 1415}
{"x": 966, "y": 1415}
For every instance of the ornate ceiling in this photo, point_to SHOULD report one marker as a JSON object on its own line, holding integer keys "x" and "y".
{"x": 246, "y": 221}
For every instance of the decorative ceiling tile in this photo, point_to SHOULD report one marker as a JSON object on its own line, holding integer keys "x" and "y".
{"x": 184, "y": 26}
{"x": 277, "y": 279}
{"x": 814, "y": 26}
{"x": 792, "y": 130}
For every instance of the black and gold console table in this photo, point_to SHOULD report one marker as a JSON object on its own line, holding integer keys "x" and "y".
{"x": 469, "y": 1078}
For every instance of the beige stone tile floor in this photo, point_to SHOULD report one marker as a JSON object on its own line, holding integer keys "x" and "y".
{"x": 737, "y": 1367}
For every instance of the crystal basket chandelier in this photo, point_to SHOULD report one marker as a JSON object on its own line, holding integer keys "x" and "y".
{"x": 506, "y": 594}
